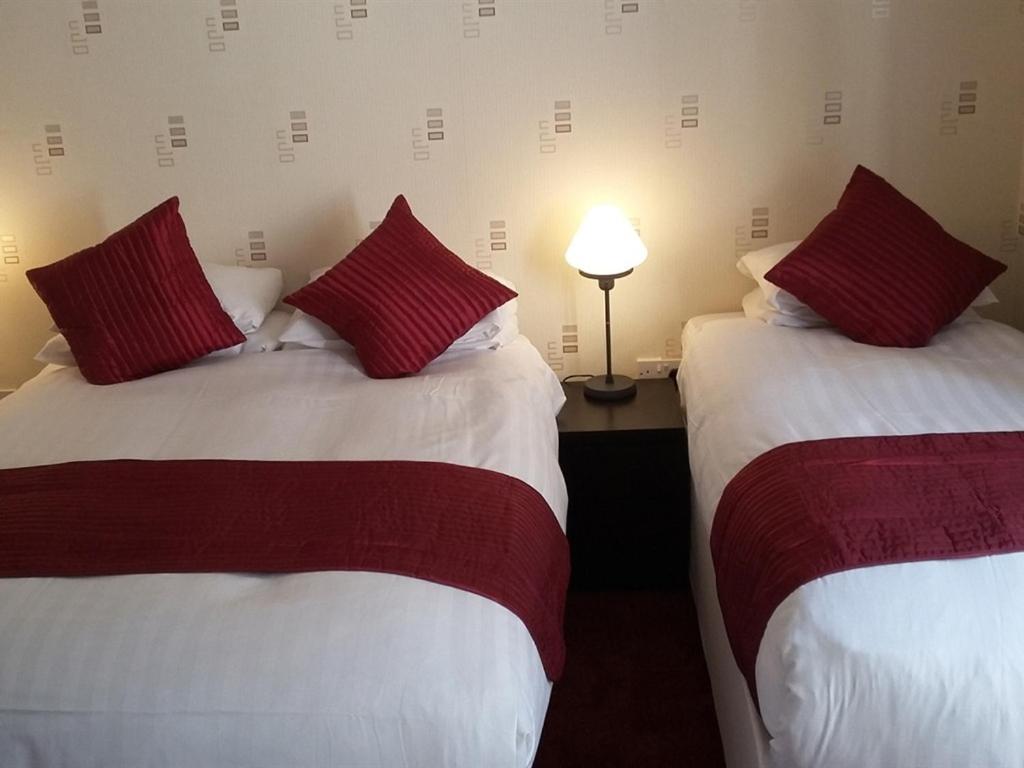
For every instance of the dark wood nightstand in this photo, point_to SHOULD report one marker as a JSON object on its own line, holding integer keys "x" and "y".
{"x": 626, "y": 467}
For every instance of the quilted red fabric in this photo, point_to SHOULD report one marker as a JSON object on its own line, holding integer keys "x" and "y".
{"x": 400, "y": 297}
{"x": 805, "y": 510}
{"x": 882, "y": 270}
{"x": 470, "y": 528}
{"x": 137, "y": 303}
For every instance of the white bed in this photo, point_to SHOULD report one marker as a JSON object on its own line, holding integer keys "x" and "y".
{"x": 897, "y": 666}
{"x": 339, "y": 669}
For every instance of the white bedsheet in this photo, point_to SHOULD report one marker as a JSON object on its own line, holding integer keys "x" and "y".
{"x": 292, "y": 671}
{"x": 895, "y": 666}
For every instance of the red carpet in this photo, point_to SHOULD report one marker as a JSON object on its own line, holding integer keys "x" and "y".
{"x": 635, "y": 690}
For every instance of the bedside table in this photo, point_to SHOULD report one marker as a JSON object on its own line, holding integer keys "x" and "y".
{"x": 627, "y": 471}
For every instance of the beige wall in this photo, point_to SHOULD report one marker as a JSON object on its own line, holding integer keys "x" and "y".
{"x": 757, "y": 78}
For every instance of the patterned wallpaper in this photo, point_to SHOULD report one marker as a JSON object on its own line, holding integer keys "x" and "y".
{"x": 287, "y": 127}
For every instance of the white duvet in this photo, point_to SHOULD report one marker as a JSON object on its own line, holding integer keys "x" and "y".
{"x": 897, "y": 666}
{"x": 293, "y": 671}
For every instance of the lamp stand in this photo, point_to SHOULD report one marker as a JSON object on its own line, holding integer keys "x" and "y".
{"x": 610, "y": 386}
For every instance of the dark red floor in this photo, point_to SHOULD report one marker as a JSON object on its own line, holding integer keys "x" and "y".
{"x": 635, "y": 690}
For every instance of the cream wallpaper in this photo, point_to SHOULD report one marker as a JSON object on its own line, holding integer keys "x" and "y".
{"x": 287, "y": 127}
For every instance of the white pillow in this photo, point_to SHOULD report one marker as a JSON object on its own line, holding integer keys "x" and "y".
{"x": 57, "y": 351}
{"x": 493, "y": 330}
{"x": 266, "y": 338}
{"x": 306, "y": 330}
{"x": 247, "y": 294}
{"x": 757, "y": 264}
{"x": 755, "y": 306}
{"x": 985, "y": 298}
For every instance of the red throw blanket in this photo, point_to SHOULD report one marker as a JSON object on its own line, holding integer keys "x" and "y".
{"x": 805, "y": 510}
{"x": 474, "y": 529}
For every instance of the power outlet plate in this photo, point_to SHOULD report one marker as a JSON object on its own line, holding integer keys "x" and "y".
{"x": 656, "y": 367}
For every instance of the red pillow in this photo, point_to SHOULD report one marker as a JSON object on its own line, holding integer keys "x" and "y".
{"x": 400, "y": 297}
{"x": 882, "y": 270}
{"x": 137, "y": 303}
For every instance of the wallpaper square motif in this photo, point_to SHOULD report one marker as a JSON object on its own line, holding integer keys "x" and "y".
{"x": 615, "y": 13}
{"x": 221, "y": 26}
{"x": 822, "y": 127}
{"x": 229, "y": 16}
{"x": 748, "y": 11}
{"x": 255, "y": 250}
{"x": 690, "y": 111}
{"x": 559, "y": 123}
{"x": 476, "y": 14}
{"x": 296, "y": 135}
{"x": 833, "y": 107}
{"x": 752, "y": 235}
{"x": 553, "y": 355}
{"x": 83, "y": 28}
{"x": 46, "y": 154}
{"x": 958, "y": 107}
{"x": 347, "y": 16}
{"x": 685, "y": 117}
{"x": 9, "y": 249}
{"x": 430, "y": 130}
{"x": 498, "y": 235}
{"x": 967, "y": 101}
{"x": 494, "y": 246}
{"x": 168, "y": 144}
{"x": 9, "y": 256}
{"x": 570, "y": 339}
{"x": 759, "y": 223}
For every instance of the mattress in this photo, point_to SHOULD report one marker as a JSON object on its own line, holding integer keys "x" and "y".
{"x": 314, "y": 669}
{"x": 916, "y": 664}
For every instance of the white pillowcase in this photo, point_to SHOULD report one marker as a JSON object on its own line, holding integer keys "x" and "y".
{"x": 757, "y": 264}
{"x": 247, "y": 294}
{"x": 756, "y": 306}
{"x": 266, "y": 338}
{"x": 57, "y": 351}
{"x": 494, "y": 330}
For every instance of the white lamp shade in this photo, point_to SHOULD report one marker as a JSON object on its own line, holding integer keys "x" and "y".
{"x": 605, "y": 243}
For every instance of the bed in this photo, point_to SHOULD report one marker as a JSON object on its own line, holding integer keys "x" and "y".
{"x": 909, "y": 664}
{"x": 306, "y": 669}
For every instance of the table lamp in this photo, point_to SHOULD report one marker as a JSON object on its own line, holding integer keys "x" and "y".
{"x": 604, "y": 248}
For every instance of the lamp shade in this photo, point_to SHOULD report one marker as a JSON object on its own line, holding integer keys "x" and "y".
{"x": 605, "y": 243}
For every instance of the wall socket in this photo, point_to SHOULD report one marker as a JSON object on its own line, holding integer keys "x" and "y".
{"x": 656, "y": 367}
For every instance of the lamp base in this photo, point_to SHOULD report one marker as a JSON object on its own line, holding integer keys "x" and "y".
{"x": 600, "y": 388}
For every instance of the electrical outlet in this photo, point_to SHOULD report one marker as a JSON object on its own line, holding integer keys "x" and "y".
{"x": 656, "y": 367}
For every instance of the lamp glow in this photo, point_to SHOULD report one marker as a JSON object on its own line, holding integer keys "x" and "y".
{"x": 604, "y": 248}
{"x": 605, "y": 244}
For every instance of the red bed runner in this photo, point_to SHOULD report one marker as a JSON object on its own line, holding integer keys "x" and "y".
{"x": 805, "y": 510}
{"x": 469, "y": 528}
